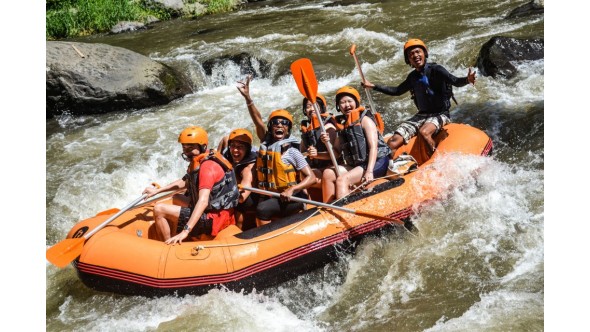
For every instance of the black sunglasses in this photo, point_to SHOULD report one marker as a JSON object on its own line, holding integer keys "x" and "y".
{"x": 276, "y": 122}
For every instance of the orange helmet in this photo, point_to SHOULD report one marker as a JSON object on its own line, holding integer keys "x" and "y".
{"x": 414, "y": 42}
{"x": 282, "y": 113}
{"x": 347, "y": 90}
{"x": 241, "y": 135}
{"x": 321, "y": 102}
{"x": 193, "y": 135}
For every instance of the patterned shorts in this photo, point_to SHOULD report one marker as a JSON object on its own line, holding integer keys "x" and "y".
{"x": 410, "y": 127}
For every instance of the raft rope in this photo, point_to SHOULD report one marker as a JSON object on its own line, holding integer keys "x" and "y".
{"x": 201, "y": 247}
{"x": 359, "y": 187}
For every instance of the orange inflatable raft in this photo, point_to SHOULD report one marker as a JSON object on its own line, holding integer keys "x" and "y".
{"x": 124, "y": 258}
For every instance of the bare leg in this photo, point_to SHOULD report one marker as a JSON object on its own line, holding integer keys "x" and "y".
{"x": 239, "y": 219}
{"x": 343, "y": 182}
{"x": 166, "y": 217}
{"x": 426, "y": 131}
{"x": 328, "y": 185}
{"x": 318, "y": 178}
{"x": 394, "y": 143}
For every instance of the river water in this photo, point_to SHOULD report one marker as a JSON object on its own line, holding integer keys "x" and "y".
{"x": 479, "y": 264}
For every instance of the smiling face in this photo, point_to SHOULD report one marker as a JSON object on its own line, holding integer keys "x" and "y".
{"x": 417, "y": 57}
{"x": 237, "y": 150}
{"x": 279, "y": 128}
{"x": 309, "y": 109}
{"x": 346, "y": 104}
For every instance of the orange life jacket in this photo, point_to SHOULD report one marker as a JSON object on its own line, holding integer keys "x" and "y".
{"x": 272, "y": 173}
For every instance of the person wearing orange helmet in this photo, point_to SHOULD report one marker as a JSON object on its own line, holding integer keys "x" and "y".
{"x": 212, "y": 193}
{"x": 318, "y": 156}
{"x": 237, "y": 148}
{"x": 280, "y": 165}
{"x": 430, "y": 85}
{"x": 362, "y": 148}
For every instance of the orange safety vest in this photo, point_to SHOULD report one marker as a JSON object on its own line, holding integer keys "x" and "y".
{"x": 272, "y": 173}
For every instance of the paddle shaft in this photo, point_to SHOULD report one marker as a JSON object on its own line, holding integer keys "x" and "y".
{"x": 307, "y": 84}
{"x": 328, "y": 143}
{"x": 329, "y": 206}
{"x": 157, "y": 198}
{"x": 116, "y": 215}
{"x": 367, "y": 91}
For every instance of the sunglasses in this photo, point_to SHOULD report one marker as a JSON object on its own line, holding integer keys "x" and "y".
{"x": 276, "y": 122}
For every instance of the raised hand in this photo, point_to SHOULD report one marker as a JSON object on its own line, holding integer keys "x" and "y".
{"x": 366, "y": 84}
{"x": 244, "y": 87}
{"x": 471, "y": 76}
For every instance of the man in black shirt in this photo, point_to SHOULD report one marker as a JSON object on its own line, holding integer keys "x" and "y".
{"x": 431, "y": 88}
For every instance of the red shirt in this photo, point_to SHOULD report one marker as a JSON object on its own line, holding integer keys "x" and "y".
{"x": 209, "y": 174}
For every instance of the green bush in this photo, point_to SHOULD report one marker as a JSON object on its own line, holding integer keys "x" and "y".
{"x": 219, "y": 6}
{"x": 71, "y": 18}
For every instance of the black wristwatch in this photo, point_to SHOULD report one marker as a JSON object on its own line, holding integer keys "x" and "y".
{"x": 186, "y": 228}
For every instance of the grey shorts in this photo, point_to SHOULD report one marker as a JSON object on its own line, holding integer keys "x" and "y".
{"x": 410, "y": 127}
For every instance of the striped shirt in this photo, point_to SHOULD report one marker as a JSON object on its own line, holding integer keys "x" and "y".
{"x": 294, "y": 157}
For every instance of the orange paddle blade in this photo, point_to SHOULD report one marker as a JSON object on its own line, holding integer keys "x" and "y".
{"x": 64, "y": 252}
{"x": 353, "y": 49}
{"x": 302, "y": 71}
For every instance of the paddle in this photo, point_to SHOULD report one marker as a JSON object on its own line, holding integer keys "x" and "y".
{"x": 376, "y": 115}
{"x": 157, "y": 198}
{"x": 65, "y": 251}
{"x": 302, "y": 71}
{"x": 144, "y": 203}
{"x": 329, "y": 206}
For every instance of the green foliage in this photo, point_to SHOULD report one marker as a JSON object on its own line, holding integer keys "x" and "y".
{"x": 219, "y": 6}
{"x": 70, "y": 18}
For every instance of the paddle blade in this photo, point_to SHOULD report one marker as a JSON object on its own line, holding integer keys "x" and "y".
{"x": 302, "y": 71}
{"x": 352, "y": 49}
{"x": 64, "y": 252}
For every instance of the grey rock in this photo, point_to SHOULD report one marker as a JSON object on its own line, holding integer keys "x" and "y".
{"x": 103, "y": 78}
{"x": 125, "y": 26}
{"x": 535, "y": 7}
{"x": 497, "y": 56}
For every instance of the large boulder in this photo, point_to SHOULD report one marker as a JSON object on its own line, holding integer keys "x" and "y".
{"x": 497, "y": 56}
{"x": 535, "y": 7}
{"x": 86, "y": 78}
{"x": 247, "y": 63}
